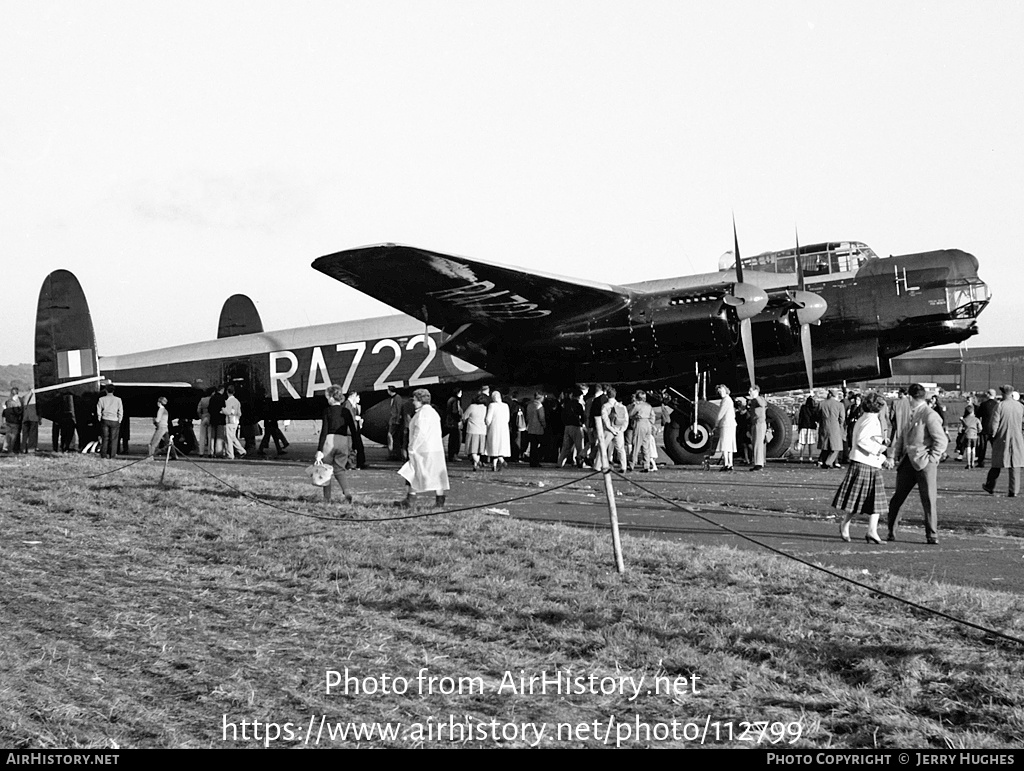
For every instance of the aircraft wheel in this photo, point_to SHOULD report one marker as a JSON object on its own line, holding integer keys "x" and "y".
{"x": 781, "y": 429}
{"x": 684, "y": 445}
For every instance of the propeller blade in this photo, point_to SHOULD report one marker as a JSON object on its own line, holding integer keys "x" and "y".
{"x": 747, "y": 336}
{"x": 799, "y": 265}
{"x": 749, "y": 300}
{"x": 805, "y": 343}
{"x": 811, "y": 307}
{"x": 736, "y": 252}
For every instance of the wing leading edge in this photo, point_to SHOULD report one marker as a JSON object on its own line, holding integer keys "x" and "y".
{"x": 487, "y": 310}
{"x": 449, "y": 291}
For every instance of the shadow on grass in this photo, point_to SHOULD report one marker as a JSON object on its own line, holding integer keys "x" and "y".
{"x": 172, "y": 486}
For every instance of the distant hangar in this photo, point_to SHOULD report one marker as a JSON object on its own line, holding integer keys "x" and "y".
{"x": 953, "y": 369}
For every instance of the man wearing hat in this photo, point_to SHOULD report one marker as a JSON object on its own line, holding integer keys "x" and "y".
{"x": 1007, "y": 442}
{"x": 986, "y": 409}
{"x": 831, "y": 416}
{"x": 899, "y": 414}
{"x": 916, "y": 452}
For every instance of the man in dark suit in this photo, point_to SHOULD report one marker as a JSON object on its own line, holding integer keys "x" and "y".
{"x": 396, "y": 425}
{"x": 593, "y": 416}
{"x": 516, "y": 424}
{"x": 831, "y": 416}
{"x": 1007, "y": 442}
{"x": 218, "y": 422}
{"x": 916, "y": 452}
{"x": 453, "y": 425}
{"x": 986, "y": 409}
{"x": 536, "y": 425}
{"x": 899, "y": 414}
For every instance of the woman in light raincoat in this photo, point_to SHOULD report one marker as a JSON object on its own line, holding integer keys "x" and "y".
{"x": 726, "y": 425}
{"x": 159, "y": 425}
{"x": 425, "y": 470}
{"x": 498, "y": 445}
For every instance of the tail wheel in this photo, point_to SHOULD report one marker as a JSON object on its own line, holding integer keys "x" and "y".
{"x": 686, "y": 444}
{"x": 780, "y": 428}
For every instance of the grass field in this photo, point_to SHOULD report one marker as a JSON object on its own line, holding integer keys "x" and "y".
{"x": 140, "y": 615}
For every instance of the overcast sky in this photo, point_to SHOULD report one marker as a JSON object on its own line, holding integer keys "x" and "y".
{"x": 172, "y": 154}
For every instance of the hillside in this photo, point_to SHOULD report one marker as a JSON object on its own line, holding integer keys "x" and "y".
{"x": 19, "y": 375}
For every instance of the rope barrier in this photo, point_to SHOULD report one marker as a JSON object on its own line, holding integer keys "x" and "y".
{"x": 108, "y": 471}
{"x": 604, "y": 472}
{"x": 821, "y": 568}
{"x": 420, "y": 515}
{"x": 113, "y": 470}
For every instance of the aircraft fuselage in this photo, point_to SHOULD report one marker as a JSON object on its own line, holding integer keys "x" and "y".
{"x": 886, "y": 308}
{"x": 652, "y": 334}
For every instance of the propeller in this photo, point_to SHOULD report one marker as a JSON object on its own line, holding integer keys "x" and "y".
{"x": 747, "y": 300}
{"x": 810, "y": 308}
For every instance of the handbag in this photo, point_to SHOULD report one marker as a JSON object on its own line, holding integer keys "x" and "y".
{"x": 321, "y": 474}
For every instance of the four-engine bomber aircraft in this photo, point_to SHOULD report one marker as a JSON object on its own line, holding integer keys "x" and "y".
{"x": 818, "y": 314}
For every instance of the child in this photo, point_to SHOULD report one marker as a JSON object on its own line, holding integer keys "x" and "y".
{"x": 651, "y": 453}
{"x": 970, "y": 425}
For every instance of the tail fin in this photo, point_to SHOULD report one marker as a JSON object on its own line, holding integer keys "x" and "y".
{"x": 66, "y": 359}
{"x": 238, "y": 317}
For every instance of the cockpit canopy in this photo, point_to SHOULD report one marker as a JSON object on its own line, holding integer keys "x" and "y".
{"x": 816, "y": 259}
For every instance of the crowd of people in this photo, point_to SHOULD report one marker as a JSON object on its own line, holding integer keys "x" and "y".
{"x": 862, "y": 431}
{"x": 96, "y": 422}
{"x": 493, "y": 430}
{"x": 21, "y": 422}
{"x": 910, "y": 436}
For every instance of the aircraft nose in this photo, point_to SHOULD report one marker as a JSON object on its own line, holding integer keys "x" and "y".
{"x": 813, "y": 307}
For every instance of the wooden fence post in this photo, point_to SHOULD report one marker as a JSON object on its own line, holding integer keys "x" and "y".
{"x": 609, "y": 491}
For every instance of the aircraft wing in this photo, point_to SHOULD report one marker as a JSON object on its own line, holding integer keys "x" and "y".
{"x": 450, "y": 292}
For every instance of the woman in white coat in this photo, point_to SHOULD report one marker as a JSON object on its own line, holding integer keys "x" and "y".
{"x": 425, "y": 470}
{"x": 159, "y": 425}
{"x": 726, "y": 425}
{"x": 499, "y": 443}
